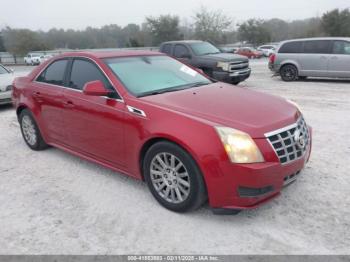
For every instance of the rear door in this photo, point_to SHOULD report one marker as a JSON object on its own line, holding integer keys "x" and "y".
{"x": 94, "y": 125}
{"x": 47, "y": 92}
{"x": 339, "y": 63}
{"x": 315, "y": 57}
{"x": 182, "y": 53}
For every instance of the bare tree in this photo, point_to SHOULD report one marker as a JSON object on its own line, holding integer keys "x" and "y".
{"x": 211, "y": 25}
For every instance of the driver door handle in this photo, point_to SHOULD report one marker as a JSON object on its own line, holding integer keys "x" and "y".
{"x": 68, "y": 104}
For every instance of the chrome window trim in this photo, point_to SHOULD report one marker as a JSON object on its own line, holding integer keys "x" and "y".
{"x": 77, "y": 90}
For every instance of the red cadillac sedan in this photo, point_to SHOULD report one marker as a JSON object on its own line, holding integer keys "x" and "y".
{"x": 149, "y": 116}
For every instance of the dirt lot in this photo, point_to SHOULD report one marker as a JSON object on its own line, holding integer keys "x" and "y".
{"x": 55, "y": 203}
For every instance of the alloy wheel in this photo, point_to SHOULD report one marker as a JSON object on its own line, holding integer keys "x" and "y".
{"x": 29, "y": 131}
{"x": 170, "y": 178}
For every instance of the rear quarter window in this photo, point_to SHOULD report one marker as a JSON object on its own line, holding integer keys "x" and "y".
{"x": 291, "y": 47}
{"x": 166, "y": 49}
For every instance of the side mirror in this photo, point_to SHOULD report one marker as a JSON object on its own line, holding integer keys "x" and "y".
{"x": 95, "y": 88}
{"x": 11, "y": 70}
{"x": 200, "y": 70}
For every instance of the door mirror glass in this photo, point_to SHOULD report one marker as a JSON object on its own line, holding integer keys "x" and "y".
{"x": 95, "y": 88}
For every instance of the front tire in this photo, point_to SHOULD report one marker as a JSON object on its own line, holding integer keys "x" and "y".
{"x": 30, "y": 131}
{"x": 173, "y": 177}
{"x": 289, "y": 73}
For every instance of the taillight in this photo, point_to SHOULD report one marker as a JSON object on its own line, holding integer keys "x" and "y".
{"x": 272, "y": 58}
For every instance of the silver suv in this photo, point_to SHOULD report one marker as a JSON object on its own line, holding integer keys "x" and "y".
{"x": 314, "y": 57}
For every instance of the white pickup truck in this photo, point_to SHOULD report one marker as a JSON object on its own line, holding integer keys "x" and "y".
{"x": 33, "y": 59}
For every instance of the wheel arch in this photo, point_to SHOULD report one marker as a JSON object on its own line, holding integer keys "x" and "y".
{"x": 150, "y": 142}
{"x": 290, "y": 62}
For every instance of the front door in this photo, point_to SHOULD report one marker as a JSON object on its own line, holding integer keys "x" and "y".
{"x": 94, "y": 125}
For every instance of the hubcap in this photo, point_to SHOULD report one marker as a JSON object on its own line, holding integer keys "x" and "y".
{"x": 170, "y": 178}
{"x": 28, "y": 129}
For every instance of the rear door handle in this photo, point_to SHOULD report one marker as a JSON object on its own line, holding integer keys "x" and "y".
{"x": 68, "y": 104}
{"x": 334, "y": 57}
{"x": 37, "y": 94}
{"x": 323, "y": 57}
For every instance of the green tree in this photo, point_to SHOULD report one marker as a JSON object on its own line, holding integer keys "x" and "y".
{"x": 211, "y": 25}
{"x": 164, "y": 28}
{"x": 336, "y": 22}
{"x": 22, "y": 41}
{"x": 2, "y": 46}
{"x": 254, "y": 32}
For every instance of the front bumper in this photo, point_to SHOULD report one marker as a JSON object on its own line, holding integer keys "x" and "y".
{"x": 247, "y": 186}
{"x": 232, "y": 77}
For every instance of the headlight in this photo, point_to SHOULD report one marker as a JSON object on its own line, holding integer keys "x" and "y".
{"x": 239, "y": 146}
{"x": 224, "y": 66}
{"x": 294, "y": 104}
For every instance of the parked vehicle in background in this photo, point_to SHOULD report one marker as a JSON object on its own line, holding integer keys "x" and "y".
{"x": 230, "y": 50}
{"x": 312, "y": 57}
{"x": 44, "y": 58}
{"x": 6, "y": 79}
{"x": 32, "y": 59}
{"x": 230, "y": 68}
{"x": 267, "y": 50}
{"x": 249, "y": 52}
{"x": 149, "y": 116}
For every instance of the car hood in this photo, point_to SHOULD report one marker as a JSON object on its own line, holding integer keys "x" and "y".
{"x": 224, "y": 57}
{"x": 221, "y": 104}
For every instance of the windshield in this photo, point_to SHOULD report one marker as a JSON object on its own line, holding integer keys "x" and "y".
{"x": 149, "y": 75}
{"x": 3, "y": 70}
{"x": 204, "y": 48}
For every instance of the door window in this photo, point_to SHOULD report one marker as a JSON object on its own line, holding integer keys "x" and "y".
{"x": 341, "y": 47}
{"x": 54, "y": 74}
{"x": 167, "y": 49}
{"x": 317, "y": 47}
{"x": 181, "y": 51}
{"x": 83, "y": 72}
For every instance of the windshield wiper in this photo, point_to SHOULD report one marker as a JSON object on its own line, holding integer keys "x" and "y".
{"x": 212, "y": 53}
{"x": 168, "y": 90}
{"x": 158, "y": 92}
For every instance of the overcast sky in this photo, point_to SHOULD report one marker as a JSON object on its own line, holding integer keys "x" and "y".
{"x": 78, "y": 14}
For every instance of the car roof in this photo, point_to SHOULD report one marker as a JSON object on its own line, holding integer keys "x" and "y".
{"x": 110, "y": 54}
{"x": 317, "y": 38}
{"x": 183, "y": 42}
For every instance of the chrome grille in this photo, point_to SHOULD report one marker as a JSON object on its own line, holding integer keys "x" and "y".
{"x": 290, "y": 143}
{"x": 238, "y": 65}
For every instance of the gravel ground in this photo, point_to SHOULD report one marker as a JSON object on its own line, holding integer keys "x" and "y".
{"x": 55, "y": 203}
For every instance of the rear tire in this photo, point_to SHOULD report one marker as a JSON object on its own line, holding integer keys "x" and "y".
{"x": 173, "y": 177}
{"x": 30, "y": 131}
{"x": 289, "y": 73}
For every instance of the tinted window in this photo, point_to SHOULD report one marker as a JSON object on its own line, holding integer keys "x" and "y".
{"x": 341, "y": 47}
{"x": 84, "y": 71}
{"x": 54, "y": 74}
{"x": 180, "y": 51}
{"x": 166, "y": 49}
{"x": 204, "y": 48}
{"x": 317, "y": 47}
{"x": 291, "y": 47}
